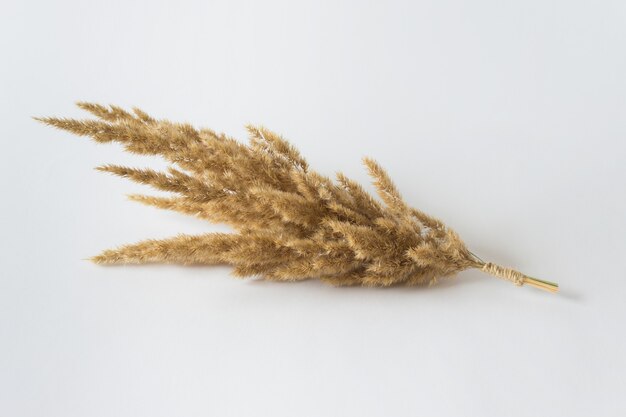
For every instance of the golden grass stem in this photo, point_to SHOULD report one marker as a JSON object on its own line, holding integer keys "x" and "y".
{"x": 541, "y": 284}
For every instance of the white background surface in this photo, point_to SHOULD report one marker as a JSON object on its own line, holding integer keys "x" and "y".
{"x": 504, "y": 118}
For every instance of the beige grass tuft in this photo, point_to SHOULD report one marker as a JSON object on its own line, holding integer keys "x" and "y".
{"x": 291, "y": 223}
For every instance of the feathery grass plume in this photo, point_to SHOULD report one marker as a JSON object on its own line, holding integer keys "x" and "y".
{"x": 291, "y": 223}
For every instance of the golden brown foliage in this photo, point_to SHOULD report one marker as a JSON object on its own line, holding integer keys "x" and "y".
{"x": 292, "y": 223}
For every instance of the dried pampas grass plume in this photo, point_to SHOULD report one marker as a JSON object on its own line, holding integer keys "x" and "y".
{"x": 291, "y": 223}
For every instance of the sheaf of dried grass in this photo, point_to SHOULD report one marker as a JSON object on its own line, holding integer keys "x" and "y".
{"x": 291, "y": 223}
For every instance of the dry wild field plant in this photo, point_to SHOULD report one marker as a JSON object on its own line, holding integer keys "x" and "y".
{"x": 291, "y": 223}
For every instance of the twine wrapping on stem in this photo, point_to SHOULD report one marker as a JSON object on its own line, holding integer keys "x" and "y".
{"x": 517, "y": 277}
{"x": 509, "y": 274}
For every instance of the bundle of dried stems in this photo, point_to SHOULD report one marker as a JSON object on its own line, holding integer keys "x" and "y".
{"x": 291, "y": 223}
